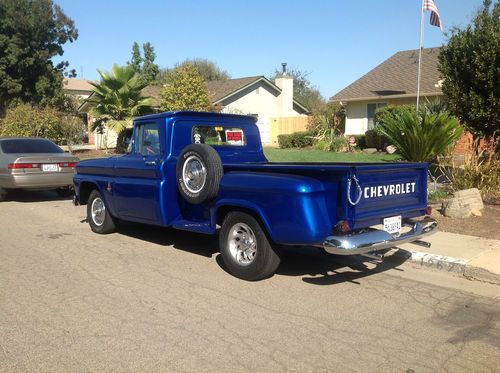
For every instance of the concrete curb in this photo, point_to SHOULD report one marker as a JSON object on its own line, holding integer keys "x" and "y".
{"x": 452, "y": 265}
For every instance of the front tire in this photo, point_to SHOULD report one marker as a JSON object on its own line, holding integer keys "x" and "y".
{"x": 245, "y": 248}
{"x": 98, "y": 217}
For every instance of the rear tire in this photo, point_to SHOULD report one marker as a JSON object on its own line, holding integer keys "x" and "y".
{"x": 3, "y": 194}
{"x": 245, "y": 248}
{"x": 98, "y": 217}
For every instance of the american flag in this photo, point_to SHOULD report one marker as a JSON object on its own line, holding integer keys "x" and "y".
{"x": 435, "y": 18}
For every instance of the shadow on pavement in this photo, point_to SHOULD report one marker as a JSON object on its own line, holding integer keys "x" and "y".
{"x": 196, "y": 243}
{"x": 319, "y": 268}
{"x": 28, "y": 196}
{"x": 312, "y": 264}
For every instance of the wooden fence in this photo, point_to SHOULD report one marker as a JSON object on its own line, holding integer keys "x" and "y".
{"x": 285, "y": 125}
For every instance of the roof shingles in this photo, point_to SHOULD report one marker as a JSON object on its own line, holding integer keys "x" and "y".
{"x": 396, "y": 76}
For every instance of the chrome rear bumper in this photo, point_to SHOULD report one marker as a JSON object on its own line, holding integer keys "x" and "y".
{"x": 373, "y": 239}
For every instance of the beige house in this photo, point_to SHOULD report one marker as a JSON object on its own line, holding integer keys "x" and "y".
{"x": 80, "y": 88}
{"x": 255, "y": 95}
{"x": 393, "y": 82}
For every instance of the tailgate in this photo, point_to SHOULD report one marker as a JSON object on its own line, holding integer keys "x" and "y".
{"x": 385, "y": 191}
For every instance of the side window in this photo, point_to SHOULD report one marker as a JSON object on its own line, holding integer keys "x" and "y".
{"x": 148, "y": 140}
{"x": 218, "y": 136}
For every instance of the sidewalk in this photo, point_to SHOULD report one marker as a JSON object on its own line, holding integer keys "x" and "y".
{"x": 473, "y": 257}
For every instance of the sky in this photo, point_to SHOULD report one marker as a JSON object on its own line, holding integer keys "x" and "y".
{"x": 335, "y": 42}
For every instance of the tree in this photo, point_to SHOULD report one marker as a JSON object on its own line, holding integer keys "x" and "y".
{"x": 118, "y": 99}
{"x": 303, "y": 90}
{"x": 32, "y": 32}
{"x": 185, "y": 90}
{"x": 206, "y": 68}
{"x": 144, "y": 66}
{"x": 149, "y": 69}
{"x": 136, "y": 61}
{"x": 469, "y": 63}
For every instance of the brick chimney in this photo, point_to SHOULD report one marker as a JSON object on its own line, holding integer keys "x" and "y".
{"x": 285, "y": 99}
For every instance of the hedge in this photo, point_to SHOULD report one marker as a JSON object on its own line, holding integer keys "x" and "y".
{"x": 296, "y": 140}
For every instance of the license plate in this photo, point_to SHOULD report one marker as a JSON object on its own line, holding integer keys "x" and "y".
{"x": 50, "y": 167}
{"x": 393, "y": 224}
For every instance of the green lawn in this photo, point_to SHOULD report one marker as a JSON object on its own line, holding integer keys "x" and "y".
{"x": 290, "y": 155}
{"x": 306, "y": 155}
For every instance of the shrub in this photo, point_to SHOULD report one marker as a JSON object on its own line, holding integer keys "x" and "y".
{"x": 26, "y": 120}
{"x": 481, "y": 170}
{"x": 421, "y": 138}
{"x": 295, "y": 140}
{"x": 373, "y": 139}
{"x": 336, "y": 144}
{"x": 361, "y": 141}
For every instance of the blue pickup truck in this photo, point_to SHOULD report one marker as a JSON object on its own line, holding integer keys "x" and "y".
{"x": 207, "y": 173}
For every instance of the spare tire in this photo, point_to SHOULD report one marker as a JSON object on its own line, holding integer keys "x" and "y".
{"x": 199, "y": 171}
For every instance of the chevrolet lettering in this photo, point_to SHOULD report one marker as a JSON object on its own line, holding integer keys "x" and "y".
{"x": 207, "y": 173}
{"x": 388, "y": 190}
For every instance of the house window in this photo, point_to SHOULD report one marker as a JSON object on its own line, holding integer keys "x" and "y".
{"x": 370, "y": 113}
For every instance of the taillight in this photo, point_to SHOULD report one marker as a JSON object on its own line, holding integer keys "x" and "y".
{"x": 67, "y": 164}
{"x": 342, "y": 226}
{"x": 17, "y": 166}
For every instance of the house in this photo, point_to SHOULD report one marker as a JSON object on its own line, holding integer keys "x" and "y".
{"x": 80, "y": 88}
{"x": 256, "y": 95}
{"x": 393, "y": 82}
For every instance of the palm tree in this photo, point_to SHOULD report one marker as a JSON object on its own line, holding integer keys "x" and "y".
{"x": 117, "y": 99}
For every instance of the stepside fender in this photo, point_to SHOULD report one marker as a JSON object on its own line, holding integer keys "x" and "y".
{"x": 292, "y": 208}
{"x": 84, "y": 186}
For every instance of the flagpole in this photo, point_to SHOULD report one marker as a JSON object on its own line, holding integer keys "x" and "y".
{"x": 420, "y": 52}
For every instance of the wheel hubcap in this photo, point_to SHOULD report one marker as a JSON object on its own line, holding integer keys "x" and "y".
{"x": 194, "y": 174}
{"x": 98, "y": 211}
{"x": 242, "y": 244}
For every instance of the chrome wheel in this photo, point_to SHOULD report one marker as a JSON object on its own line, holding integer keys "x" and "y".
{"x": 194, "y": 174}
{"x": 98, "y": 211}
{"x": 242, "y": 243}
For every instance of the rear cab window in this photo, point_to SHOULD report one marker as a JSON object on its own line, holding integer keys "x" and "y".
{"x": 218, "y": 135}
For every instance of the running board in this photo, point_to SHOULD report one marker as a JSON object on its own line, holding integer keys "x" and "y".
{"x": 194, "y": 226}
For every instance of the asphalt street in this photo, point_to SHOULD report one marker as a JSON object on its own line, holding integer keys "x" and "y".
{"x": 151, "y": 299}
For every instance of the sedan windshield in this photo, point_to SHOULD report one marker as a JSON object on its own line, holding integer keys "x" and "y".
{"x": 20, "y": 146}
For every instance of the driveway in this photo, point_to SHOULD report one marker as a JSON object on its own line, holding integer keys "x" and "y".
{"x": 151, "y": 299}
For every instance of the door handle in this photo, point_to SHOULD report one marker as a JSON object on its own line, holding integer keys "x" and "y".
{"x": 150, "y": 163}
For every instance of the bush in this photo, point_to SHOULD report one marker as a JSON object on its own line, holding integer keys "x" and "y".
{"x": 373, "y": 139}
{"x": 336, "y": 144}
{"x": 421, "y": 138}
{"x": 296, "y": 140}
{"x": 28, "y": 121}
{"x": 361, "y": 141}
{"x": 481, "y": 170}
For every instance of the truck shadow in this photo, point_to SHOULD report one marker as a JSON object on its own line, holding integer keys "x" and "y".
{"x": 195, "y": 243}
{"x": 319, "y": 268}
{"x": 312, "y": 264}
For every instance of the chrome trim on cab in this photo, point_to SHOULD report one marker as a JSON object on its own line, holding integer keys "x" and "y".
{"x": 372, "y": 240}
